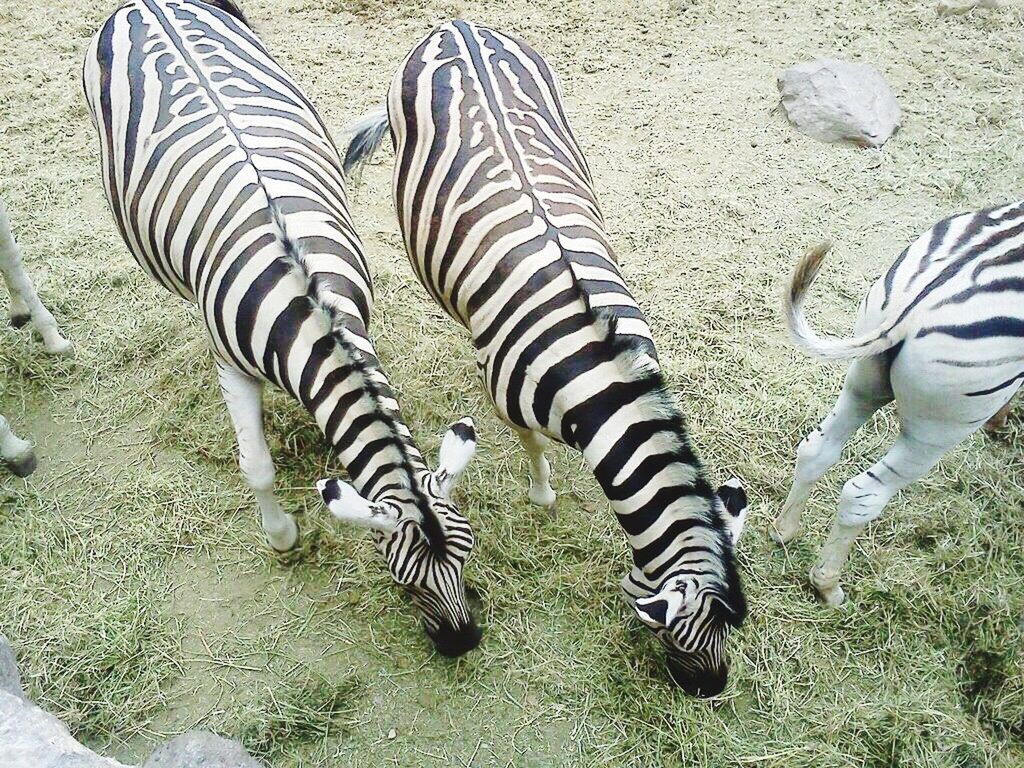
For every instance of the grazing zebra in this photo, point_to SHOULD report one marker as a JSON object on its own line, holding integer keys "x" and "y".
{"x": 942, "y": 334}
{"x": 228, "y": 190}
{"x": 501, "y": 223}
{"x": 16, "y": 453}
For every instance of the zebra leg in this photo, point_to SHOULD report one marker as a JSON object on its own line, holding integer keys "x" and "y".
{"x": 244, "y": 398}
{"x": 541, "y": 492}
{"x": 863, "y": 499}
{"x": 16, "y": 453}
{"x": 25, "y": 303}
{"x": 865, "y": 390}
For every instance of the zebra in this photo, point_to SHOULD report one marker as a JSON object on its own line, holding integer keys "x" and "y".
{"x": 228, "y": 190}
{"x": 15, "y": 452}
{"x": 942, "y": 334}
{"x": 501, "y": 223}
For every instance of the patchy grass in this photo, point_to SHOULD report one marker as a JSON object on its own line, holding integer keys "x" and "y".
{"x": 133, "y": 579}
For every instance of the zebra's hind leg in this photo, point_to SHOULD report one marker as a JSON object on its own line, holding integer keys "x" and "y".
{"x": 541, "y": 493}
{"x": 244, "y": 398}
{"x": 863, "y": 499}
{"x": 16, "y": 453}
{"x": 865, "y": 390}
{"x": 25, "y": 303}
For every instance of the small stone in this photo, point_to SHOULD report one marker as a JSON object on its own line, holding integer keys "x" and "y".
{"x": 832, "y": 100}
{"x": 392, "y": 734}
{"x": 201, "y": 749}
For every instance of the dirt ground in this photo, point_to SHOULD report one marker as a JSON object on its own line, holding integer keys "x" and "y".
{"x": 133, "y": 580}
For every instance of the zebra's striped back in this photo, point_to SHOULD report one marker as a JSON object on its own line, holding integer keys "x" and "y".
{"x": 228, "y": 190}
{"x": 501, "y": 223}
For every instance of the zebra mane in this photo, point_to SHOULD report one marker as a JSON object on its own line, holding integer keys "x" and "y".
{"x": 637, "y": 366}
{"x": 323, "y": 300}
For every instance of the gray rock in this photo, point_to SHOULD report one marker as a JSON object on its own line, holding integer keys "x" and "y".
{"x": 832, "y": 100}
{"x": 956, "y": 7}
{"x": 31, "y": 738}
{"x": 10, "y": 680}
{"x": 201, "y": 749}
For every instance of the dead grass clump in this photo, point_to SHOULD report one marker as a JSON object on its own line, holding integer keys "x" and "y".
{"x": 313, "y": 708}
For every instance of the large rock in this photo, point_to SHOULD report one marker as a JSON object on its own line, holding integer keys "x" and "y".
{"x": 956, "y": 7}
{"x": 10, "y": 680}
{"x": 200, "y": 749}
{"x": 31, "y": 738}
{"x": 833, "y": 100}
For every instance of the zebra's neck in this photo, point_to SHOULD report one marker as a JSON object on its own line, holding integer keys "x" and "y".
{"x": 641, "y": 457}
{"x": 358, "y": 414}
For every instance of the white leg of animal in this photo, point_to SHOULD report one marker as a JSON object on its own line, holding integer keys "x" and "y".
{"x": 25, "y": 304}
{"x": 16, "y": 453}
{"x": 541, "y": 492}
{"x": 865, "y": 496}
{"x": 865, "y": 390}
{"x": 244, "y": 398}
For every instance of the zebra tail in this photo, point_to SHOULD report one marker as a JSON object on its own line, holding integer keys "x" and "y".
{"x": 366, "y": 135}
{"x": 868, "y": 344}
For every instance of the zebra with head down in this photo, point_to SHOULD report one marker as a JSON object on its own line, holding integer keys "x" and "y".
{"x": 501, "y": 223}
{"x": 228, "y": 190}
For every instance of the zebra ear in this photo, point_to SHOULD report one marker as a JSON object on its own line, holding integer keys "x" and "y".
{"x": 734, "y": 499}
{"x": 457, "y": 448}
{"x": 345, "y": 504}
{"x": 661, "y": 608}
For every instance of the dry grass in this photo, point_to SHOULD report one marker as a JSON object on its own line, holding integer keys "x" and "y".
{"x": 132, "y": 575}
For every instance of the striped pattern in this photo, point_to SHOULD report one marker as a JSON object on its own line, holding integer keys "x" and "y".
{"x": 501, "y": 223}
{"x": 958, "y": 289}
{"x": 228, "y": 191}
{"x": 942, "y": 335}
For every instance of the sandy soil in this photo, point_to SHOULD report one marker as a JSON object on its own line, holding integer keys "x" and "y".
{"x": 132, "y": 577}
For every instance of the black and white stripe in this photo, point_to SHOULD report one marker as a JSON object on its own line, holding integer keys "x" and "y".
{"x": 501, "y": 223}
{"x": 228, "y": 190}
{"x": 942, "y": 334}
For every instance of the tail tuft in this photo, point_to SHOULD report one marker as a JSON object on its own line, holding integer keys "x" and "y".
{"x": 806, "y": 271}
{"x": 366, "y": 133}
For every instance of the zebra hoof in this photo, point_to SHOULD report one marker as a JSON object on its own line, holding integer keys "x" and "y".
{"x": 61, "y": 348}
{"x": 20, "y": 320}
{"x": 543, "y": 496}
{"x": 286, "y": 539}
{"x": 24, "y": 466}
{"x": 782, "y": 531}
{"x": 828, "y": 590}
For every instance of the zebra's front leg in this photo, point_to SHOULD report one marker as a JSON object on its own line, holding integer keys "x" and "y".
{"x": 863, "y": 499}
{"x": 244, "y": 398}
{"x": 25, "y": 303}
{"x": 541, "y": 493}
{"x": 16, "y": 453}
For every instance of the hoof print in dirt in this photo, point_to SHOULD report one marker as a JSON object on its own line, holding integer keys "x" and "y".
{"x": 201, "y": 749}
{"x": 832, "y": 100}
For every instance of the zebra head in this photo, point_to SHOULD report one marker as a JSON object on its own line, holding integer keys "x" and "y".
{"x": 692, "y": 613}
{"x": 424, "y": 539}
